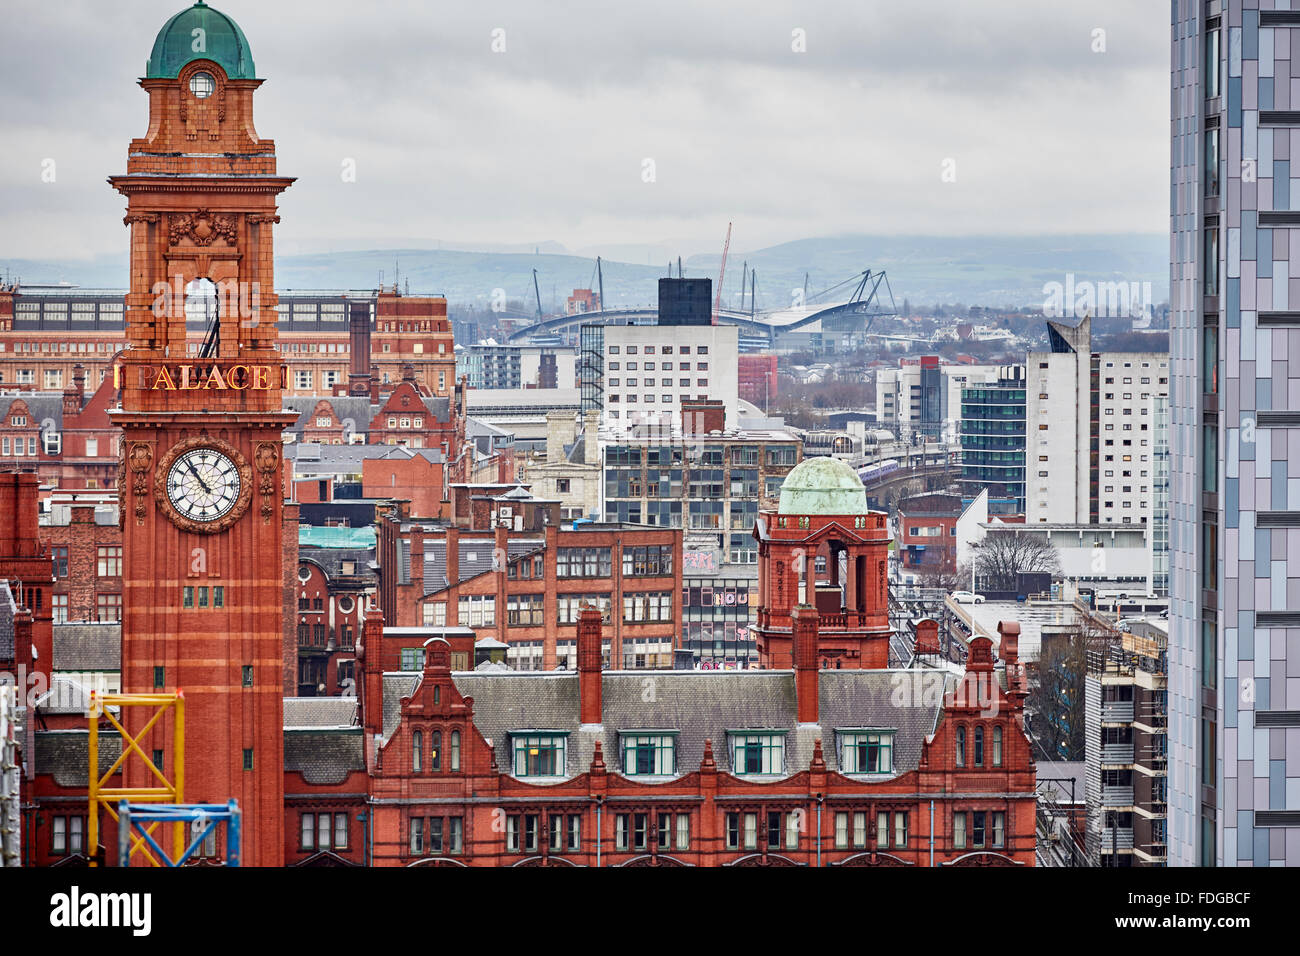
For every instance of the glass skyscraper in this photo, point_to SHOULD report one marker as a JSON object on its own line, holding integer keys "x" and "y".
{"x": 1234, "y": 642}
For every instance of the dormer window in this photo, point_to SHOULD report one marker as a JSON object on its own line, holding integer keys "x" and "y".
{"x": 757, "y": 752}
{"x": 866, "y": 751}
{"x": 650, "y": 754}
{"x": 539, "y": 754}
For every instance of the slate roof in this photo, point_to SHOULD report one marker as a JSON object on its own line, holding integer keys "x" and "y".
{"x": 358, "y": 409}
{"x": 697, "y": 705}
{"x": 313, "y": 458}
{"x": 7, "y": 611}
{"x": 475, "y": 558}
{"x": 42, "y": 407}
{"x": 318, "y": 712}
{"x": 324, "y": 756}
{"x": 87, "y": 647}
{"x": 65, "y": 754}
{"x": 330, "y": 559}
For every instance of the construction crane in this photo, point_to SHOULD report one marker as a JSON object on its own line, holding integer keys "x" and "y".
{"x": 717, "y": 299}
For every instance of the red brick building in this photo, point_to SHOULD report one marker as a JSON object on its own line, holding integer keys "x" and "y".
{"x": 757, "y": 379}
{"x": 202, "y": 415}
{"x": 928, "y": 532}
{"x": 524, "y": 586}
{"x": 822, "y": 547}
{"x": 745, "y": 768}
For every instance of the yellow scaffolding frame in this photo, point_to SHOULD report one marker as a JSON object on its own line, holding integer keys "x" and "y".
{"x": 171, "y": 791}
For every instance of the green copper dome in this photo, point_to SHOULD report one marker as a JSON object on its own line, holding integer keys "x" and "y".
{"x": 220, "y": 40}
{"x": 822, "y": 486}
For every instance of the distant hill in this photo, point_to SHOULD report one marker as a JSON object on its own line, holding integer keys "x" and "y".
{"x": 973, "y": 270}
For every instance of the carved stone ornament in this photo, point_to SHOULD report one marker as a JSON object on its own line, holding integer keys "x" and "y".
{"x": 138, "y": 461}
{"x": 267, "y": 461}
{"x": 202, "y": 227}
{"x": 164, "y": 504}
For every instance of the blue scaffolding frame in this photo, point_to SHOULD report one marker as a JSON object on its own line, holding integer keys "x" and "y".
{"x": 206, "y": 815}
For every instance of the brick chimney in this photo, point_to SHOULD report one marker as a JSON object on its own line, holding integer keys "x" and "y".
{"x": 804, "y": 630}
{"x": 74, "y": 393}
{"x": 370, "y": 652}
{"x": 589, "y": 666}
{"x": 927, "y": 638}
{"x": 703, "y": 415}
{"x": 417, "y": 556}
{"x": 359, "y": 343}
{"x": 1009, "y": 643}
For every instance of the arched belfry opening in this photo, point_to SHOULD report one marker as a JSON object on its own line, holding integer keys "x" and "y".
{"x": 202, "y": 319}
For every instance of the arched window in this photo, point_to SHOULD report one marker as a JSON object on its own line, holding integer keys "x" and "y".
{"x": 997, "y": 746}
{"x": 417, "y": 750}
{"x": 455, "y": 751}
{"x": 961, "y": 746}
{"x": 435, "y": 755}
{"x": 979, "y": 746}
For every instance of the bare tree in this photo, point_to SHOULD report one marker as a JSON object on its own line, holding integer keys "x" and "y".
{"x": 1056, "y": 698}
{"x": 1002, "y": 557}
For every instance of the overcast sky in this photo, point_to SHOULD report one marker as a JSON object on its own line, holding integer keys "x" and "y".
{"x": 548, "y": 141}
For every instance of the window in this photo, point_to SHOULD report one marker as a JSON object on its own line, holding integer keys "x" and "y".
{"x": 417, "y": 834}
{"x": 435, "y": 748}
{"x": 683, "y": 834}
{"x": 539, "y": 755}
{"x": 997, "y": 746}
{"x": 867, "y": 752}
{"x": 60, "y": 556}
{"x": 961, "y": 746}
{"x": 109, "y": 564}
{"x": 307, "y": 832}
{"x": 248, "y": 758}
{"x": 959, "y": 831}
{"x": 979, "y": 746}
{"x": 999, "y": 828}
{"x": 649, "y": 754}
{"x": 631, "y": 831}
{"x": 417, "y": 751}
{"x": 900, "y": 829}
{"x": 108, "y": 608}
{"x": 758, "y": 753}
{"x": 477, "y": 610}
{"x": 455, "y": 751}
{"x": 412, "y": 658}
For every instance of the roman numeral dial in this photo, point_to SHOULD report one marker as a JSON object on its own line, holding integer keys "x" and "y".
{"x": 203, "y": 484}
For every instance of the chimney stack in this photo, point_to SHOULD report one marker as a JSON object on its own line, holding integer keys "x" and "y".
{"x": 805, "y": 662}
{"x": 589, "y": 665}
{"x": 1009, "y": 643}
{"x": 927, "y": 638}
{"x": 417, "y": 556}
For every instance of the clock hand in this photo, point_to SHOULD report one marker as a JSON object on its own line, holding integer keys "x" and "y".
{"x": 202, "y": 484}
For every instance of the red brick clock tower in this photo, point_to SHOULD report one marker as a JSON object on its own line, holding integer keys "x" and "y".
{"x": 201, "y": 381}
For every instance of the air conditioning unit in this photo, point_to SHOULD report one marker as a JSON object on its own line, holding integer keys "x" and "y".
{"x": 505, "y": 511}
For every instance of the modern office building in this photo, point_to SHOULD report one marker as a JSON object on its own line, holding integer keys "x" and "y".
{"x": 993, "y": 441}
{"x": 1234, "y": 795}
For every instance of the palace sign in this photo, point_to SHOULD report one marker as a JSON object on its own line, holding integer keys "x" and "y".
{"x": 200, "y": 376}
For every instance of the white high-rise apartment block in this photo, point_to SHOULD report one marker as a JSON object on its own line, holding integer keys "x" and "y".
{"x": 650, "y": 369}
{"x": 1090, "y": 430}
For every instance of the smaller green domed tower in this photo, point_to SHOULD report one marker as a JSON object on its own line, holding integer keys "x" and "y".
{"x": 822, "y": 486}
{"x": 200, "y": 33}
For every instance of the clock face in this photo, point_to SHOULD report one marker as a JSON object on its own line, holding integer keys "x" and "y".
{"x": 203, "y": 484}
